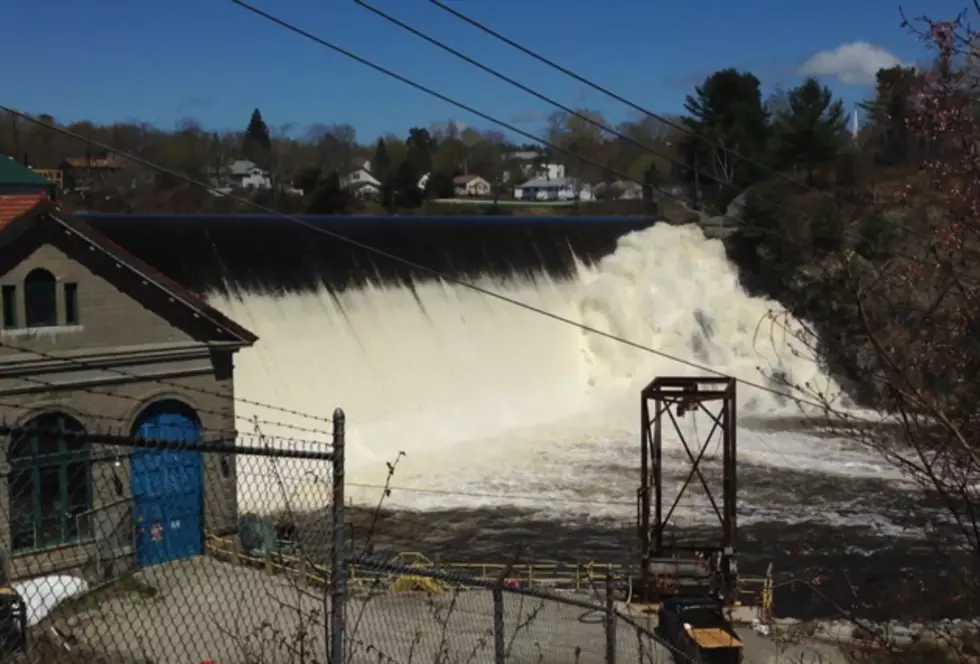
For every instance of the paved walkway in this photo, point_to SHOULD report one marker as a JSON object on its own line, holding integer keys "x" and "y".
{"x": 208, "y": 610}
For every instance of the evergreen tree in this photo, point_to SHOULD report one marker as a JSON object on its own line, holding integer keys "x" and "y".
{"x": 888, "y": 114}
{"x": 726, "y": 110}
{"x": 402, "y": 192}
{"x": 257, "y": 145}
{"x": 330, "y": 197}
{"x": 811, "y": 130}
{"x": 381, "y": 164}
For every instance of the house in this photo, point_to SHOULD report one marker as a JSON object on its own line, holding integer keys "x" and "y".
{"x": 364, "y": 190}
{"x": 470, "y": 185}
{"x": 553, "y": 189}
{"x": 360, "y": 177}
{"x": 245, "y": 174}
{"x": 93, "y": 339}
{"x": 84, "y": 173}
{"x": 533, "y": 165}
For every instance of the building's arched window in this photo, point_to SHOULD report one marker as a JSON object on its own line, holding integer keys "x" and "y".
{"x": 50, "y": 483}
{"x": 40, "y": 299}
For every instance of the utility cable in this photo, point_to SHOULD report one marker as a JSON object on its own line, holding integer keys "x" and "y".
{"x": 510, "y": 127}
{"x": 599, "y": 125}
{"x": 159, "y": 381}
{"x": 412, "y": 264}
{"x": 368, "y": 63}
{"x": 636, "y": 107}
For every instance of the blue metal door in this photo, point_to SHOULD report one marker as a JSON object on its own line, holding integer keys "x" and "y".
{"x": 168, "y": 492}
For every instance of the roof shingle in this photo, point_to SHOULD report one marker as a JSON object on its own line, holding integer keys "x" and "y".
{"x": 13, "y": 206}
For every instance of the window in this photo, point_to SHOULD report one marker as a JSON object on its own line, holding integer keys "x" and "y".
{"x": 40, "y": 299}
{"x": 50, "y": 483}
{"x": 9, "y": 295}
{"x": 71, "y": 304}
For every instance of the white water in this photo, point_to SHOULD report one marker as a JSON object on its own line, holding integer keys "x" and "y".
{"x": 494, "y": 404}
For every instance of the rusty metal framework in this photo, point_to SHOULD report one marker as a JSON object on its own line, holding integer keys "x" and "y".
{"x": 673, "y": 569}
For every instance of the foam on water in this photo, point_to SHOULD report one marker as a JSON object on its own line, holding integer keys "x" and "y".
{"x": 486, "y": 398}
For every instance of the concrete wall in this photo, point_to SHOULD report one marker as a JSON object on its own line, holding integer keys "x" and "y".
{"x": 104, "y": 372}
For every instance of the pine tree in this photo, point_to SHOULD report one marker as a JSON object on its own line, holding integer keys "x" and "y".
{"x": 811, "y": 130}
{"x": 381, "y": 164}
{"x": 257, "y": 145}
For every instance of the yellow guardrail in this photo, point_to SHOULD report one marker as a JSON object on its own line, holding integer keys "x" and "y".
{"x": 757, "y": 590}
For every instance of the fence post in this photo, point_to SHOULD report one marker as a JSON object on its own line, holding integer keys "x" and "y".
{"x": 338, "y": 563}
{"x": 610, "y": 620}
{"x": 499, "y": 649}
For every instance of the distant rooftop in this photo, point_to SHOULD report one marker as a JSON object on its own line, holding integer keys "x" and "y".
{"x": 15, "y": 174}
{"x": 546, "y": 183}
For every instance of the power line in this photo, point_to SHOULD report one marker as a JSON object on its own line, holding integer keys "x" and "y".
{"x": 411, "y": 264}
{"x": 670, "y": 123}
{"x": 510, "y": 127}
{"x": 603, "y": 127}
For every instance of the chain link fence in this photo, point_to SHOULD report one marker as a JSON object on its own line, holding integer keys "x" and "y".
{"x": 163, "y": 550}
{"x": 115, "y": 548}
{"x": 402, "y": 612}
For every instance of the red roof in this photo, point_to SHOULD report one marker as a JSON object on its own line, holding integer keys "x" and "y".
{"x": 14, "y": 205}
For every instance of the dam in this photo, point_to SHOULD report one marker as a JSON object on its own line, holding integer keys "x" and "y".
{"x": 491, "y": 402}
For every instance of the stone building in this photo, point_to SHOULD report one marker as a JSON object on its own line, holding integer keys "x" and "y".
{"x": 95, "y": 341}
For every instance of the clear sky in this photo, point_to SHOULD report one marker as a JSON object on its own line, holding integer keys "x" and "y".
{"x": 160, "y": 60}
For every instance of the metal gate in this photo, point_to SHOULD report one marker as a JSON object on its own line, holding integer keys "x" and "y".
{"x": 168, "y": 491}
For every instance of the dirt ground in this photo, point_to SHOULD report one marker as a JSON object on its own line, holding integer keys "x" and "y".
{"x": 205, "y": 610}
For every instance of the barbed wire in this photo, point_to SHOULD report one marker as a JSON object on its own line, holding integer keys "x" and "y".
{"x": 161, "y": 381}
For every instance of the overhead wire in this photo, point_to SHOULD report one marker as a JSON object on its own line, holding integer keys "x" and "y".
{"x": 388, "y": 72}
{"x": 615, "y": 132}
{"x": 441, "y": 4}
{"x": 412, "y": 264}
{"x": 553, "y": 102}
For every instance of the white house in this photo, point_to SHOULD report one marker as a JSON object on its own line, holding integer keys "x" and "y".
{"x": 365, "y": 190}
{"x": 358, "y": 178}
{"x": 470, "y": 185}
{"x": 533, "y": 165}
{"x": 246, "y": 175}
{"x": 553, "y": 189}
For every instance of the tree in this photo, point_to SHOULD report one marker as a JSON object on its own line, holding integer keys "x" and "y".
{"x": 889, "y": 112}
{"x": 440, "y": 185}
{"x": 381, "y": 164}
{"x": 811, "y": 130}
{"x": 330, "y": 197}
{"x": 727, "y": 111}
{"x": 420, "y": 146}
{"x": 402, "y": 191}
{"x": 257, "y": 143}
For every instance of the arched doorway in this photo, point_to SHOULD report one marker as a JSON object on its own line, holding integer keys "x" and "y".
{"x": 167, "y": 486}
{"x": 50, "y": 482}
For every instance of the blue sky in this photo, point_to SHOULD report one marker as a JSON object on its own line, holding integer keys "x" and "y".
{"x": 160, "y": 60}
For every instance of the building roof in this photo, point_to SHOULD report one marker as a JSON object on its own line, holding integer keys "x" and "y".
{"x": 241, "y": 166}
{"x": 546, "y": 183}
{"x": 110, "y": 161}
{"x": 13, "y": 173}
{"x": 13, "y": 206}
{"x": 45, "y": 209}
{"x": 465, "y": 179}
{"x": 524, "y": 155}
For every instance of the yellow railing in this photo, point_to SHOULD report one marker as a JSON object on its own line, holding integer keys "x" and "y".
{"x": 756, "y": 591}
